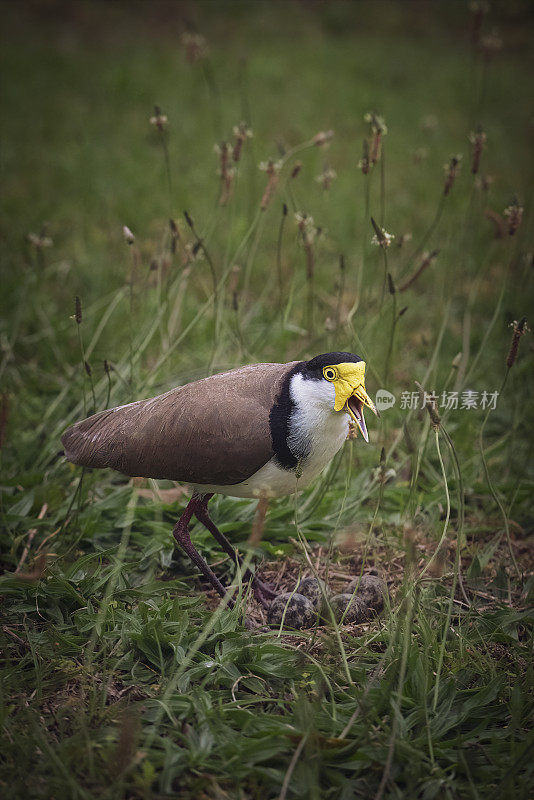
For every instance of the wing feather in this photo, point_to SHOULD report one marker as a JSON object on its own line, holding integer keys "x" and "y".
{"x": 212, "y": 431}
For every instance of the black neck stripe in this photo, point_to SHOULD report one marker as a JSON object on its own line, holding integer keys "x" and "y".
{"x": 279, "y": 422}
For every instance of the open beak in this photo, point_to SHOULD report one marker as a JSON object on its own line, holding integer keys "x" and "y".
{"x": 351, "y": 395}
{"x": 354, "y": 405}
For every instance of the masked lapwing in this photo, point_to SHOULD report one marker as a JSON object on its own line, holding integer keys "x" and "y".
{"x": 264, "y": 430}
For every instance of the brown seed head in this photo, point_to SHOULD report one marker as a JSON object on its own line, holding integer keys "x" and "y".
{"x": 234, "y": 278}
{"x": 196, "y": 47}
{"x": 431, "y": 405}
{"x": 78, "y": 310}
{"x": 520, "y": 328}
{"x": 377, "y": 123}
{"x": 452, "y": 170}
{"x": 272, "y": 168}
{"x": 376, "y": 143}
{"x": 241, "y": 132}
{"x": 296, "y": 169}
{"x": 224, "y": 151}
{"x": 308, "y": 233}
{"x": 378, "y": 130}
{"x": 129, "y": 238}
{"x": 457, "y": 360}
{"x": 514, "y": 212}
{"x": 326, "y": 177}
{"x": 323, "y": 138}
{"x": 428, "y": 259}
{"x": 381, "y": 238}
{"x": 364, "y": 163}
{"x": 478, "y": 140}
{"x": 175, "y": 235}
{"x": 159, "y": 120}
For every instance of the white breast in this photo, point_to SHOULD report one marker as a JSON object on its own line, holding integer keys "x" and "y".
{"x": 315, "y": 429}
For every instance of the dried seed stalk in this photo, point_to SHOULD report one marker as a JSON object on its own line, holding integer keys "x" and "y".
{"x": 428, "y": 258}
{"x": 520, "y": 328}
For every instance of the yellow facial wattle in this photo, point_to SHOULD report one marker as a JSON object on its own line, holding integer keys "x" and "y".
{"x": 349, "y": 382}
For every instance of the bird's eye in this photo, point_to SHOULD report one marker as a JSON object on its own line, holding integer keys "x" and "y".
{"x": 330, "y": 373}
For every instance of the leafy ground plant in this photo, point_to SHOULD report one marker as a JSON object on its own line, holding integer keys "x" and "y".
{"x": 142, "y": 248}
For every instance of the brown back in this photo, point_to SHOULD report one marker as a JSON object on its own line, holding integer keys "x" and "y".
{"x": 212, "y": 431}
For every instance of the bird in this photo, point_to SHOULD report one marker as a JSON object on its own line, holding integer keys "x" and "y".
{"x": 262, "y": 430}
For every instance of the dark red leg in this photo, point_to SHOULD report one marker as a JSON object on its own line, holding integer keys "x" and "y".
{"x": 181, "y": 534}
{"x": 262, "y": 592}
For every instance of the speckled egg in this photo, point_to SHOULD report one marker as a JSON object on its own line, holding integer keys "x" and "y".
{"x": 296, "y": 610}
{"x": 370, "y": 589}
{"x": 314, "y": 589}
{"x": 349, "y": 609}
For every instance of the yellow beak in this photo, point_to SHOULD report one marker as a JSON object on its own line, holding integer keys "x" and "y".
{"x": 351, "y": 395}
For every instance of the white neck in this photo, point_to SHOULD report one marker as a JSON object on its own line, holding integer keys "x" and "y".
{"x": 316, "y": 430}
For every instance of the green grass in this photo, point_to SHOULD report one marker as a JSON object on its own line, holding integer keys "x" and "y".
{"x": 120, "y": 679}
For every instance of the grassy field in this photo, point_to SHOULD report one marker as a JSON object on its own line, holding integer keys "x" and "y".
{"x": 121, "y": 676}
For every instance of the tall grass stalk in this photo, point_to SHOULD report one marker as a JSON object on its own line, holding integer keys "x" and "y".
{"x": 428, "y": 372}
{"x": 394, "y": 320}
{"x": 340, "y": 291}
{"x": 279, "y": 271}
{"x": 160, "y": 121}
{"x": 448, "y": 507}
{"x": 365, "y": 227}
{"x": 215, "y": 98}
{"x": 382, "y": 188}
{"x": 78, "y": 319}
{"x": 489, "y": 481}
{"x": 382, "y": 239}
{"x": 202, "y": 246}
{"x": 426, "y": 236}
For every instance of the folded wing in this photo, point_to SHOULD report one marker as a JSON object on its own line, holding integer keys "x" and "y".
{"x": 212, "y": 431}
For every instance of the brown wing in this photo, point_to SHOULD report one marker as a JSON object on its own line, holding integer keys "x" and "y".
{"x": 212, "y": 431}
